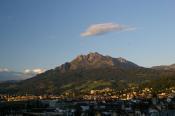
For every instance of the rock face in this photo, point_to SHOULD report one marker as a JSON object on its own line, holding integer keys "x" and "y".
{"x": 96, "y": 60}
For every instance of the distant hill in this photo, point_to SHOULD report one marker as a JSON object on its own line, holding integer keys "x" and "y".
{"x": 91, "y": 71}
{"x": 11, "y": 75}
{"x": 165, "y": 67}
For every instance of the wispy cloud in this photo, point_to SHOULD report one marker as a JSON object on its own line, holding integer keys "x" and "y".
{"x": 98, "y": 29}
{"x": 35, "y": 71}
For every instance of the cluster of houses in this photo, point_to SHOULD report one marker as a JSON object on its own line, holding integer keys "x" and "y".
{"x": 127, "y": 94}
{"x": 101, "y": 94}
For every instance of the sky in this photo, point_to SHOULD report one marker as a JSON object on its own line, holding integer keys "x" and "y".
{"x": 47, "y": 33}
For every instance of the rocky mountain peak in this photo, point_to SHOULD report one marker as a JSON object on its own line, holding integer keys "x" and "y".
{"x": 123, "y": 60}
{"x": 91, "y": 56}
{"x": 96, "y": 60}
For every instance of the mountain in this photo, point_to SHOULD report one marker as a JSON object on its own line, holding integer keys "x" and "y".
{"x": 91, "y": 71}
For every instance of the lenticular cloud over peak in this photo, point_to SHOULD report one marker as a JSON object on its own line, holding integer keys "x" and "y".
{"x": 102, "y": 28}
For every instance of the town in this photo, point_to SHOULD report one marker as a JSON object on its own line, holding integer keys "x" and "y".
{"x": 104, "y": 102}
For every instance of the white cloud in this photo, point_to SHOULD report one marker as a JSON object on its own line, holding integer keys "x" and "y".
{"x": 27, "y": 71}
{"x": 4, "y": 69}
{"x": 34, "y": 71}
{"x": 38, "y": 70}
{"x": 98, "y": 29}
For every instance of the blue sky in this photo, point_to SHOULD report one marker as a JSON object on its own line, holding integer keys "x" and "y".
{"x": 47, "y": 33}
